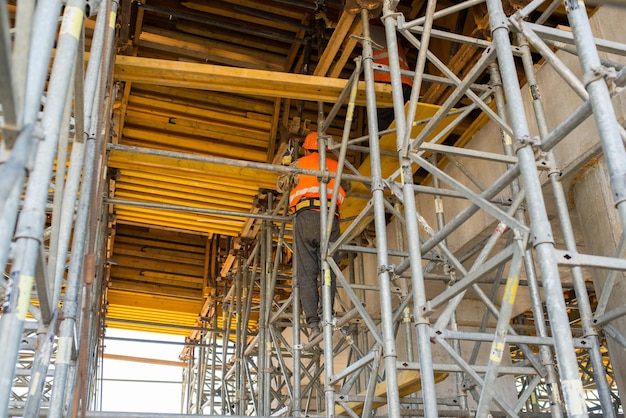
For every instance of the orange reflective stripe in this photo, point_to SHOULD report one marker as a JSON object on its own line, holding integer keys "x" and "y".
{"x": 382, "y": 57}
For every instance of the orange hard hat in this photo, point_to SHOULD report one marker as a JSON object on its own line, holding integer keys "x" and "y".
{"x": 310, "y": 142}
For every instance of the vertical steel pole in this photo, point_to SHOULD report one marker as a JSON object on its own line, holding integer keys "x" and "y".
{"x": 213, "y": 352}
{"x": 411, "y": 216}
{"x": 380, "y": 224}
{"x": 586, "y": 313}
{"x": 32, "y": 219}
{"x": 546, "y": 355}
{"x": 406, "y": 316}
{"x": 326, "y": 278}
{"x": 606, "y": 124}
{"x": 296, "y": 407}
{"x": 261, "y": 376}
{"x": 603, "y": 113}
{"x": 267, "y": 305}
{"x": 238, "y": 341}
{"x": 248, "y": 279}
{"x": 200, "y": 371}
{"x": 82, "y": 228}
{"x": 83, "y": 123}
{"x": 456, "y": 345}
{"x": 541, "y": 230}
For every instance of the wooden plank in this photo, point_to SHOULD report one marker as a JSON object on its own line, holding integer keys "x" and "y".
{"x": 201, "y": 112}
{"x": 162, "y": 264}
{"x": 131, "y": 273}
{"x": 219, "y": 189}
{"x": 165, "y": 141}
{"x": 157, "y": 304}
{"x": 166, "y": 220}
{"x": 190, "y": 127}
{"x": 286, "y": 11}
{"x": 252, "y": 177}
{"x": 140, "y": 138}
{"x": 341, "y": 31}
{"x": 206, "y": 51}
{"x": 218, "y": 34}
{"x": 156, "y": 289}
{"x": 158, "y": 254}
{"x": 241, "y": 80}
{"x": 189, "y": 196}
{"x": 146, "y": 193}
{"x": 348, "y": 46}
{"x": 182, "y": 217}
{"x": 154, "y": 244}
{"x": 220, "y": 182}
{"x": 230, "y": 12}
{"x": 216, "y": 100}
{"x": 162, "y": 239}
{"x": 161, "y": 228}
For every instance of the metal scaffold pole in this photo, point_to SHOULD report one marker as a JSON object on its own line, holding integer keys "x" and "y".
{"x": 377, "y": 189}
{"x": 541, "y": 231}
{"x": 594, "y": 80}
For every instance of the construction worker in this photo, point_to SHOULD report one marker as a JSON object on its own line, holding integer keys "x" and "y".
{"x": 381, "y": 56}
{"x": 304, "y": 201}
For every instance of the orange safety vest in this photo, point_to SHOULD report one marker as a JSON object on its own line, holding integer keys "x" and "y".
{"x": 308, "y": 187}
{"x": 382, "y": 57}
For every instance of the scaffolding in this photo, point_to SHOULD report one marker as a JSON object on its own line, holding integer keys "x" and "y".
{"x": 393, "y": 337}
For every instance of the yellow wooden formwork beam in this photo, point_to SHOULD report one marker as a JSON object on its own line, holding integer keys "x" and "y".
{"x": 177, "y": 143}
{"x": 220, "y": 190}
{"x": 146, "y": 190}
{"x": 152, "y": 308}
{"x": 196, "y": 47}
{"x": 130, "y": 273}
{"x": 167, "y": 219}
{"x": 155, "y": 303}
{"x": 156, "y": 106}
{"x": 204, "y": 99}
{"x": 189, "y": 215}
{"x": 175, "y": 267}
{"x": 241, "y": 80}
{"x": 207, "y": 131}
{"x": 185, "y": 253}
{"x": 157, "y": 289}
{"x": 233, "y": 175}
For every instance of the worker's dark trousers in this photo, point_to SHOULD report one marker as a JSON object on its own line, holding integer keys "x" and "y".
{"x": 308, "y": 262}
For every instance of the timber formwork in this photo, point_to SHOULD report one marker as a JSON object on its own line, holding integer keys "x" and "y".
{"x": 377, "y": 354}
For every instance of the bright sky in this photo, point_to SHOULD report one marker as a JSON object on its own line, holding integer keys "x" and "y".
{"x": 138, "y": 387}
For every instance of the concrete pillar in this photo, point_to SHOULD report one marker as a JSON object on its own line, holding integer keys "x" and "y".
{"x": 601, "y": 231}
